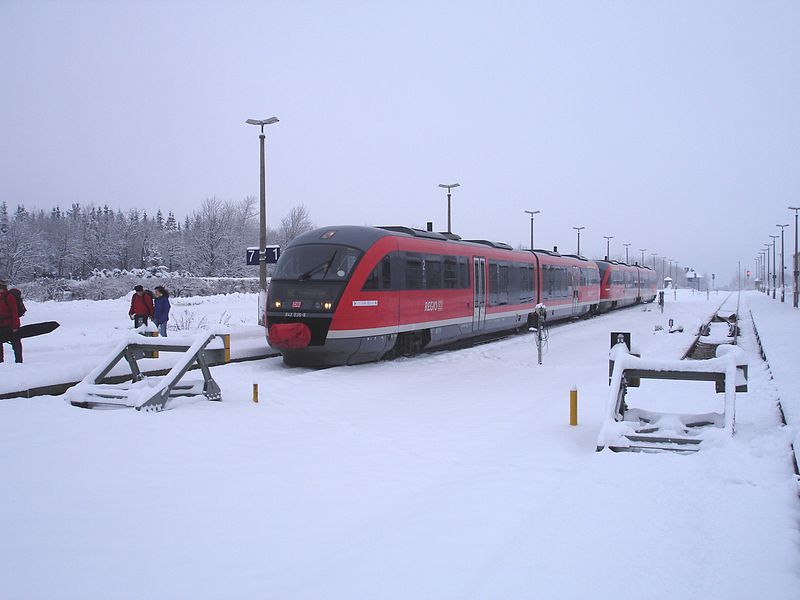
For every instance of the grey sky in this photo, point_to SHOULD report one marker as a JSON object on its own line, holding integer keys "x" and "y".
{"x": 670, "y": 125}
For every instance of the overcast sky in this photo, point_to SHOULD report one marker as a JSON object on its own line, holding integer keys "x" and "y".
{"x": 673, "y": 126}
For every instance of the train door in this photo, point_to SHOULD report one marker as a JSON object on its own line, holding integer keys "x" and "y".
{"x": 478, "y": 293}
{"x": 576, "y": 280}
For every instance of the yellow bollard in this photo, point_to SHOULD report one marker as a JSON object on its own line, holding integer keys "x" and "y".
{"x": 154, "y": 353}
{"x": 226, "y": 340}
{"x": 255, "y": 393}
{"x": 573, "y": 406}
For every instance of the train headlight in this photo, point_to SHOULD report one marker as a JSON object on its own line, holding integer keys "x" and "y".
{"x": 277, "y": 304}
{"x": 327, "y": 305}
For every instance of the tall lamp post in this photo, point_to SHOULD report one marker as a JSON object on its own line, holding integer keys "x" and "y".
{"x": 758, "y": 269}
{"x": 531, "y": 213}
{"x": 765, "y": 250}
{"x": 795, "y": 257}
{"x": 626, "y": 253}
{"x": 654, "y": 254}
{"x": 774, "y": 266}
{"x": 448, "y": 187}
{"x": 262, "y": 227}
{"x": 783, "y": 264}
{"x": 578, "y": 229}
{"x": 608, "y": 246}
{"x": 642, "y": 250}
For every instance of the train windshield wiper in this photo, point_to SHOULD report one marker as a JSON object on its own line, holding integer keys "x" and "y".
{"x": 323, "y": 265}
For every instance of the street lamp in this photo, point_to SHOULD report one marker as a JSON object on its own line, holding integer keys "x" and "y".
{"x": 642, "y": 250}
{"x": 757, "y": 269}
{"x": 783, "y": 264}
{"x": 765, "y": 250}
{"x": 774, "y": 266}
{"x": 795, "y": 257}
{"x": 654, "y": 254}
{"x": 262, "y": 234}
{"x": 449, "y": 187}
{"x": 531, "y": 213}
{"x": 578, "y": 229}
{"x": 608, "y": 246}
{"x": 626, "y": 252}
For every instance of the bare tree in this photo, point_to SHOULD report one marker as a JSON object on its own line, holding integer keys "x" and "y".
{"x": 296, "y": 222}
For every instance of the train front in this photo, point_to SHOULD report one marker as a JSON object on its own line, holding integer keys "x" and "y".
{"x": 304, "y": 293}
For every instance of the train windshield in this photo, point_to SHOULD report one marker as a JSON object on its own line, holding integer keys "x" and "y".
{"x": 315, "y": 262}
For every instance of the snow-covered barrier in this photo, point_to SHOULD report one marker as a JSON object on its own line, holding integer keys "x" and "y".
{"x": 148, "y": 393}
{"x": 627, "y": 428}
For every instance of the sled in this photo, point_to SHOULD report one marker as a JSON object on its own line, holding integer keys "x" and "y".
{"x": 31, "y": 330}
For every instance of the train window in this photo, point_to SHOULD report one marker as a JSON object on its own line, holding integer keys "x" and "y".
{"x": 498, "y": 283}
{"x": 450, "y": 272}
{"x": 414, "y": 280}
{"x": 502, "y": 288}
{"x": 526, "y": 284}
{"x": 432, "y": 269}
{"x": 589, "y": 277}
{"x": 380, "y": 278}
{"x": 317, "y": 261}
{"x": 492, "y": 281}
{"x": 555, "y": 281}
{"x": 463, "y": 272}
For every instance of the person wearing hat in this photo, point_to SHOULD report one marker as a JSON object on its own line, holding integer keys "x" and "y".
{"x": 9, "y": 321}
{"x": 141, "y": 306}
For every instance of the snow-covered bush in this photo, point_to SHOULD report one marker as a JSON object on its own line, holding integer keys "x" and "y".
{"x": 107, "y": 284}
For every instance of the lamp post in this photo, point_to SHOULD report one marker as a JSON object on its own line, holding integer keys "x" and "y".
{"x": 654, "y": 254}
{"x": 626, "y": 252}
{"x": 578, "y": 229}
{"x": 608, "y": 246}
{"x": 449, "y": 186}
{"x": 531, "y": 213}
{"x": 795, "y": 257}
{"x": 262, "y": 233}
{"x": 757, "y": 268}
{"x": 765, "y": 250}
{"x": 783, "y": 264}
{"x": 642, "y": 250}
{"x": 774, "y": 266}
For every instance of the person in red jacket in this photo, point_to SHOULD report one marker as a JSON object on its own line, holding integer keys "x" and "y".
{"x": 141, "y": 306}
{"x": 9, "y": 320}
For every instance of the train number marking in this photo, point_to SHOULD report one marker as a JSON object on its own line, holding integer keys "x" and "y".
{"x": 365, "y": 303}
{"x": 434, "y": 306}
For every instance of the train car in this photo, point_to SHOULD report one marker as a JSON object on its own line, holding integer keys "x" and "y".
{"x": 648, "y": 284}
{"x": 570, "y": 285}
{"x": 346, "y": 295}
{"x": 619, "y": 284}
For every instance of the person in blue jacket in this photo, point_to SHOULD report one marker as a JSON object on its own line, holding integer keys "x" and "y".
{"x": 161, "y": 312}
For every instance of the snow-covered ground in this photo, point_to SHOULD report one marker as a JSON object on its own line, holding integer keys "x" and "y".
{"x": 450, "y": 475}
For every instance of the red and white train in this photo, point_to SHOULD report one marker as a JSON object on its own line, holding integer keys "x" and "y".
{"x": 347, "y": 295}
